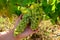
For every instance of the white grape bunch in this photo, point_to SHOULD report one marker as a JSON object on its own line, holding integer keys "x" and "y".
{"x": 22, "y": 24}
{"x": 35, "y": 20}
{"x": 32, "y": 18}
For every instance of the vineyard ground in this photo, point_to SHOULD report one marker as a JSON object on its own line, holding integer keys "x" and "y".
{"x": 47, "y": 31}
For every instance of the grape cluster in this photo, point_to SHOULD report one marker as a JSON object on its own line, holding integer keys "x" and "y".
{"x": 22, "y": 24}
{"x": 32, "y": 18}
{"x": 35, "y": 20}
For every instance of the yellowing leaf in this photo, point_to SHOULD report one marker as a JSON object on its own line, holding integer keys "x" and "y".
{"x": 32, "y": 7}
{"x": 53, "y": 7}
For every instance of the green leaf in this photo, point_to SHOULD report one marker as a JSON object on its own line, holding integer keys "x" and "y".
{"x": 44, "y": 3}
{"x": 47, "y": 9}
{"x": 26, "y": 2}
{"x": 3, "y": 4}
{"x": 22, "y": 3}
{"x": 18, "y": 12}
{"x": 54, "y": 1}
{"x": 53, "y": 7}
{"x": 53, "y": 21}
{"x": 58, "y": 6}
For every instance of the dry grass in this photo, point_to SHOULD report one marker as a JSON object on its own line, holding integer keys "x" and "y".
{"x": 47, "y": 31}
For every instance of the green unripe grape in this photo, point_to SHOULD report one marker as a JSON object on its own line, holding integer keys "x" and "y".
{"x": 22, "y": 25}
{"x": 34, "y": 25}
{"x": 35, "y": 20}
